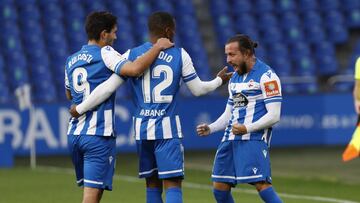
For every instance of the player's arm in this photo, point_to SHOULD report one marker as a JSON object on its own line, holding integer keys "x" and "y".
{"x": 193, "y": 82}
{"x": 98, "y": 95}
{"x": 271, "y": 89}
{"x": 123, "y": 67}
{"x": 356, "y": 91}
{"x": 67, "y": 87}
{"x": 220, "y": 123}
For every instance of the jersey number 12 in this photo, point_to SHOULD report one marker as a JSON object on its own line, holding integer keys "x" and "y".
{"x": 156, "y": 96}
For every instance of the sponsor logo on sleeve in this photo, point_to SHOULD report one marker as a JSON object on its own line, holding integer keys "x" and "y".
{"x": 272, "y": 88}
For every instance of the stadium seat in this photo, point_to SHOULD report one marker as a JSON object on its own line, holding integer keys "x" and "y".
{"x": 337, "y": 33}
{"x": 285, "y": 6}
{"x": 311, "y": 19}
{"x": 118, "y": 8}
{"x": 162, "y": 5}
{"x": 243, "y": 6}
{"x": 51, "y": 10}
{"x": 353, "y": 18}
{"x": 348, "y": 5}
{"x": 328, "y": 5}
{"x": 307, "y": 5}
{"x": 299, "y": 50}
{"x": 8, "y": 12}
{"x": 314, "y": 34}
{"x": 263, "y": 6}
{"x": 304, "y": 66}
{"x": 267, "y": 21}
{"x": 94, "y": 5}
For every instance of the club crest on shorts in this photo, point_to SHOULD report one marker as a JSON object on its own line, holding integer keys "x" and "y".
{"x": 240, "y": 100}
{"x": 254, "y": 170}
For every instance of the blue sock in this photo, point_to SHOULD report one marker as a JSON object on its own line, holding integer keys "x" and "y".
{"x": 174, "y": 195}
{"x": 153, "y": 195}
{"x": 269, "y": 195}
{"x": 223, "y": 196}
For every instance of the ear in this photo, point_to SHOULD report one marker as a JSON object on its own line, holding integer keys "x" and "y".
{"x": 103, "y": 34}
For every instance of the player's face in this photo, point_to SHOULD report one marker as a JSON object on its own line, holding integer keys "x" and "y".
{"x": 235, "y": 58}
{"x": 110, "y": 36}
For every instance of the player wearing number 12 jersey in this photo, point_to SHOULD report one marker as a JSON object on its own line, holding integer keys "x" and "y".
{"x": 91, "y": 138}
{"x": 156, "y": 119}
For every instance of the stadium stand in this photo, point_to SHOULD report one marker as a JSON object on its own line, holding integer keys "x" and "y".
{"x": 297, "y": 38}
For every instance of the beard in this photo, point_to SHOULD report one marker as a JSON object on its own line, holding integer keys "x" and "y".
{"x": 242, "y": 68}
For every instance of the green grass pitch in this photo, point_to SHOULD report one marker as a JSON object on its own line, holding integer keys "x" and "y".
{"x": 300, "y": 175}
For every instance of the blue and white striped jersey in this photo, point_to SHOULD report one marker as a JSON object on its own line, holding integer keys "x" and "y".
{"x": 248, "y": 95}
{"x": 84, "y": 71}
{"x": 156, "y": 91}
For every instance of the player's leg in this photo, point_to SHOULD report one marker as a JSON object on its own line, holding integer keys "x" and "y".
{"x": 253, "y": 166}
{"x": 267, "y": 192}
{"x": 170, "y": 161}
{"x": 223, "y": 175}
{"x": 92, "y": 195}
{"x": 173, "y": 189}
{"x": 153, "y": 189}
{"x": 148, "y": 169}
{"x": 99, "y": 166}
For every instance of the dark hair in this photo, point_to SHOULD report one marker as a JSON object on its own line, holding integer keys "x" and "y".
{"x": 96, "y": 22}
{"x": 246, "y": 45}
{"x": 159, "y": 21}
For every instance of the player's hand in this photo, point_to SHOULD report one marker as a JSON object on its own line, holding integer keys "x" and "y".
{"x": 73, "y": 112}
{"x": 239, "y": 129}
{"x": 203, "y": 130}
{"x": 357, "y": 106}
{"x": 224, "y": 75}
{"x": 164, "y": 43}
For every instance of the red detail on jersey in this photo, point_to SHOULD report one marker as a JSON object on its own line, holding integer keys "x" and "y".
{"x": 272, "y": 88}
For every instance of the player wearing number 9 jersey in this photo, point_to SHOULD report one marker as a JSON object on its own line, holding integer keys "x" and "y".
{"x": 91, "y": 136}
{"x": 156, "y": 119}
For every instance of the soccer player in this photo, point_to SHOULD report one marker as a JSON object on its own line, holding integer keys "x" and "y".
{"x": 356, "y": 91}
{"x": 252, "y": 109}
{"x": 91, "y": 137}
{"x": 156, "y": 119}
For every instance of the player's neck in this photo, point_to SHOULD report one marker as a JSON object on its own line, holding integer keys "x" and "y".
{"x": 250, "y": 64}
{"x": 94, "y": 42}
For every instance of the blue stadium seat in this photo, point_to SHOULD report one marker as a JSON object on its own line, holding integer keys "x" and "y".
{"x": 327, "y": 65}
{"x": 244, "y": 21}
{"x": 285, "y": 6}
{"x": 349, "y": 5}
{"x": 299, "y": 50}
{"x": 314, "y": 34}
{"x": 263, "y": 6}
{"x": 353, "y": 18}
{"x": 219, "y": 7}
{"x": 278, "y": 50}
{"x": 51, "y": 10}
{"x": 311, "y": 18}
{"x": 94, "y": 5}
{"x": 304, "y": 66}
{"x": 293, "y": 35}
{"x": 243, "y": 6}
{"x": 289, "y": 20}
{"x": 307, "y": 5}
{"x": 324, "y": 48}
{"x": 18, "y": 74}
{"x": 184, "y": 7}
{"x": 118, "y": 8}
{"x": 8, "y": 12}
{"x": 44, "y": 91}
{"x": 5, "y": 96}
{"x": 267, "y": 21}
{"x": 28, "y": 11}
{"x": 282, "y": 66}
{"x": 140, "y": 8}
{"x": 272, "y": 35}
{"x": 162, "y": 5}
{"x": 337, "y": 33}
{"x": 327, "y": 5}
{"x": 333, "y": 17}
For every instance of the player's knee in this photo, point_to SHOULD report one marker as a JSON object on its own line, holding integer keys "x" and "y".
{"x": 153, "y": 182}
{"x": 172, "y": 182}
{"x": 221, "y": 186}
{"x": 261, "y": 185}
